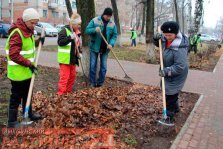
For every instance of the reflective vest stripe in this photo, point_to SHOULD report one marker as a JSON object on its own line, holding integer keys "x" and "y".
{"x": 23, "y": 52}
{"x": 13, "y": 63}
{"x": 64, "y": 51}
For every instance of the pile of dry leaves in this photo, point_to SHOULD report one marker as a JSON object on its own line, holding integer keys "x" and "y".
{"x": 101, "y": 107}
{"x": 3, "y": 65}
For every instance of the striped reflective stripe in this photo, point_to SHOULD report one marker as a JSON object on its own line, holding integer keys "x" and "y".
{"x": 22, "y": 52}
{"x": 13, "y": 63}
{"x": 64, "y": 51}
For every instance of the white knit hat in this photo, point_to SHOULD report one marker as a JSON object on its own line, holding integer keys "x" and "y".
{"x": 30, "y": 14}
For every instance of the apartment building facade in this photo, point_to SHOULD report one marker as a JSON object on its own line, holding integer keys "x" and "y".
{"x": 51, "y": 11}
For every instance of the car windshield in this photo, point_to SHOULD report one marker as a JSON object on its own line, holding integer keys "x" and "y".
{"x": 46, "y": 25}
{"x": 6, "y": 25}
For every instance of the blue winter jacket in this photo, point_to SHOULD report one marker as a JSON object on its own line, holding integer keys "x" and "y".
{"x": 111, "y": 33}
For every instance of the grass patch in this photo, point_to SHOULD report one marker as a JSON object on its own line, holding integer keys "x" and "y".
{"x": 130, "y": 140}
{"x": 128, "y": 53}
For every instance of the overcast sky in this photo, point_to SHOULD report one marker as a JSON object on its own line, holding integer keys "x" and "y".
{"x": 213, "y": 10}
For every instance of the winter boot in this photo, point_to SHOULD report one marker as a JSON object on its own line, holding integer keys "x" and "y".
{"x": 12, "y": 118}
{"x": 177, "y": 107}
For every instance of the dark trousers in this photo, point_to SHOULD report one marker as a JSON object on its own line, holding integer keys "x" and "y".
{"x": 172, "y": 102}
{"x": 192, "y": 48}
{"x": 19, "y": 92}
{"x": 133, "y": 42}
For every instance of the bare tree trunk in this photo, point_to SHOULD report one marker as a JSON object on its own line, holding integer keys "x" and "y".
{"x": 190, "y": 13}
{"x": 143, "y": 19}
{"x": 116, "y": 18}
{"x": 183, "y": 16}
{"x": 132, "y": 16}
{"x": 86, "y": 9}
{"x": 69, "y": 8}
{"x": 176, "y": 11}
{"x": 150, "y": 31}
{"x": 198, "y": 15}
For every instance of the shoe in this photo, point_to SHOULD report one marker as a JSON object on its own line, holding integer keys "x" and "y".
{"x": 93, "y": 86}
{"x": 98, "y": 85}
{"x": 177, "y": 107}
{"x": 35, "y": 117}
{"x": 12, "y": 118}
{"x": 170, "y": 114}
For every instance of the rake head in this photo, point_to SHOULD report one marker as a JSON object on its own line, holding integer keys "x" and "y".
{"x": 167, "y": 122}
{"x": 26, "y": 122}
{"x": 127, "y": 78}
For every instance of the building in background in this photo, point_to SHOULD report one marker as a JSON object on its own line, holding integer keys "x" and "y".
{"x": 51, "y": 11}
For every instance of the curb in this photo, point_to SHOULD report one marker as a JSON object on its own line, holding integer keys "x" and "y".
{"x": 187, "y": 123}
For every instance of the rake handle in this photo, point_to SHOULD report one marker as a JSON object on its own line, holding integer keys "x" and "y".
{"x": 33, "y": 78}
{"x": 162, "y": 79}
{"x": 77, "y": 50}
{"x": 113, "y": 53}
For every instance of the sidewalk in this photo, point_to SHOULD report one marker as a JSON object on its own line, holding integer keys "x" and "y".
{"x": 204, "y": 127}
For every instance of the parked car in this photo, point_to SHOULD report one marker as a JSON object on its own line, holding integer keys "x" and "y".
{"x": 4, "y": 29}
{"x": 208, "y": 38}
{"x": 49, "y": 29}
{"x": 59, "y": 27}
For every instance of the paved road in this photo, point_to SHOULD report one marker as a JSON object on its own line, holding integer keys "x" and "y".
{"x": 48, "y": 41}
{"x": 53, "y": 41}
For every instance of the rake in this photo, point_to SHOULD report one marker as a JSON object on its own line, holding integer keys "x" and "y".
{"x": 126, "y": 76}
{"x": 165, "y": 121}
{"x": 26, "y": 120}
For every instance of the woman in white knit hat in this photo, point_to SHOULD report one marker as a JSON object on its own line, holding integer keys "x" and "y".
{"x": 20, "y": 51}
{"x": 68, "y": 55}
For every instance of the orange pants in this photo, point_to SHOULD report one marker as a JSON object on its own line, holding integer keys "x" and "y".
{"x": 67, "y": 78}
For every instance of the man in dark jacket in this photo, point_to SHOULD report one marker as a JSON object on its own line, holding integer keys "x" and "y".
{"x": 20, "y": 51}
{"x": 175, "y": 48}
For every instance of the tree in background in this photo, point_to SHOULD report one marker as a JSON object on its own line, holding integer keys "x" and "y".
{"x": 150, "y": 31}
{"x": 176, "y": 11}
{"x": 116, "y": 19}
{"x": 86, "y": 9}
{"x": 198, "y": 15}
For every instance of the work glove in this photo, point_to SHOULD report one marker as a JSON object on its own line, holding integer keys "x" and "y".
{"x": 33, "y": 69}
{"x": 157, "y": 36}
{"x": 97, "y": 29}
{"x": 109, "y": 47}
{"x": 80, "y": 56}
{"x": 42, "y": 39}
{"x": 73, "y": 36}
{"x": 161, "y": 73}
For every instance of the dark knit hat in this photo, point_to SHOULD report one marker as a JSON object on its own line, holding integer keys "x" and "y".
{"x": 170, "y": 27}
{"x": 108, "y": 11}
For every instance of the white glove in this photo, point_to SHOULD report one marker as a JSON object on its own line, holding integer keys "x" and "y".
{"x": 73, "y": 36}
{"x": 97, "y": 29}
{"x": 110, "y": 47}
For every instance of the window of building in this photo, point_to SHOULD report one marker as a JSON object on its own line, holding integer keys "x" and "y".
{"x": 45, "y": 13}
{"x": 64, "y": 15}
{"x": 45, "y": 1}
{"x": 61, "y": 2}
{"x": 55, "y": 14}
{"x": 26, "y": 1}
{"x": 73, "y": 4}
{"x": 64, "y": 4}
